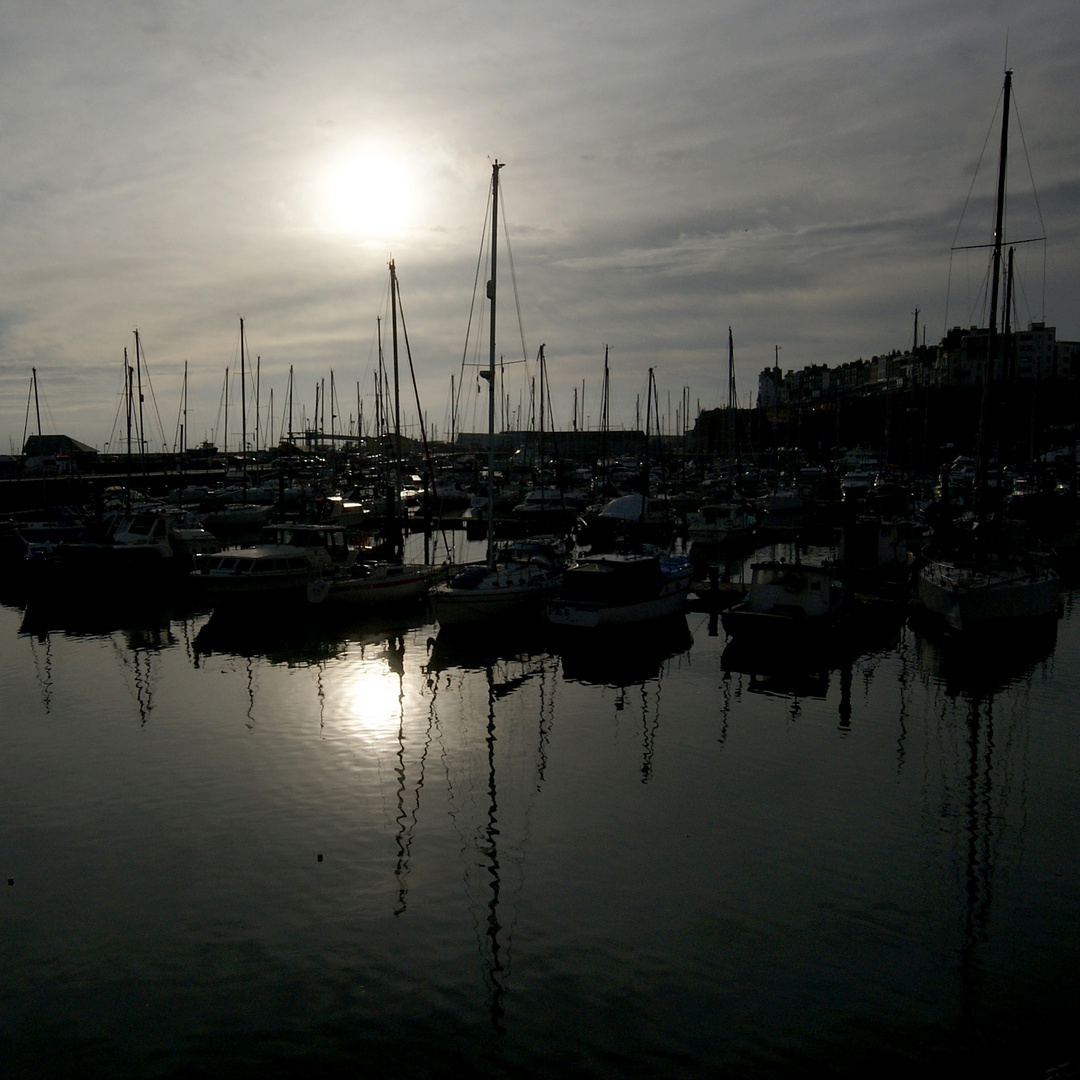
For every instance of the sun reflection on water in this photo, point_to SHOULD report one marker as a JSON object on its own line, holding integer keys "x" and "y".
{"x": 369, "y": 693}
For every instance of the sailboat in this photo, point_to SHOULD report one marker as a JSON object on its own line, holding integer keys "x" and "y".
{"x": 982, "y": 581}
{"x": 516, "y": 579}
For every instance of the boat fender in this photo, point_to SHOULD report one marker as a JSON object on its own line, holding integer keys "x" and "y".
{"x": 317, "y": 591}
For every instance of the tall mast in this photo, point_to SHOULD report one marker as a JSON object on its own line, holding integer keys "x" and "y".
{"x": 333, "y": 427}
{"x": 542, "y": 364}
{"x": 333, "y": 415}
{"x": 127, "y": 400}
{"x": 258, "y": 378}
{"x": 37, "y": 405}
{"x": 732, "y": 402}
{"x": 183, "y": 427}
{"x": 379, "y": 413}
{"x": 243, "y": 414}
{"x": 645, "y": 460}
{"x": 605, "y": 397}
{"x": 490, "y": 375}
{"x": 995, "y": 286}
{"x": 183, "y": 430}
{"x": 290, "y": 404}
{"x": 397, "y": 388}
{"x": 999, "y": 214}
{"x": 138, "y": 378}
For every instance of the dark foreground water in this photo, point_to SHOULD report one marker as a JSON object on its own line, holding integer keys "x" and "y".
{"x": 360, "y": 850}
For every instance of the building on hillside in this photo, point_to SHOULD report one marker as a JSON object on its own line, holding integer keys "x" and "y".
{"x": 1067, "y": 360}
{"x": 770, "y": 382}
{"x": 1035, "y": 354}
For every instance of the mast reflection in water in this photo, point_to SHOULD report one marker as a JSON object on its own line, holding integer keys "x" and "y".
{"x": 324, "y": 848}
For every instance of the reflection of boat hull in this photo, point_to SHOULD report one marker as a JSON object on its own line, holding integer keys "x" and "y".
{"x": 308, "y": 636}
{"x": 776, "y": 628}
{"x": 148, "y": 612}
{"x": 476, "y": 647}
{"x": 624, "y": 657}
{"x": 984, "y": 664}
{"x": 801, "y": 674}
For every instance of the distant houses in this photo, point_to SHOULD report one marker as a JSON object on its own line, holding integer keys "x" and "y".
{"x": 1033, "y": 354}
{"x": 920, "y": 403}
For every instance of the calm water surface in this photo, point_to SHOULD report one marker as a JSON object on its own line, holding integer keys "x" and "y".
{"x": 358, "y": 848}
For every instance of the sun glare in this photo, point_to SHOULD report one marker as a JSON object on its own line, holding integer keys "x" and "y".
{"x": 368, "y": 193}
{"x": 370, "y": 696}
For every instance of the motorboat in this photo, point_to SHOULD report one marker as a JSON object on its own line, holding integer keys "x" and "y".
{"x": 720, "y": 523}
{"x": 308, "y": 564}
{"x": 289, "y": 564}
{"x": 787, "y": 602}
{"x": 147, "y": 544}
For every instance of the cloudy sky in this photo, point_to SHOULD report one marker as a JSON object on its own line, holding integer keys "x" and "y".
{"x": 796, "y": 171}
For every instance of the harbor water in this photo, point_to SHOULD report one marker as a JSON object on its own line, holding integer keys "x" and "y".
{"x": 329, "y": 848}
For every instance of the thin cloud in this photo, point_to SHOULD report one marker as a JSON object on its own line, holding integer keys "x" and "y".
{"x": 797, "y": 173}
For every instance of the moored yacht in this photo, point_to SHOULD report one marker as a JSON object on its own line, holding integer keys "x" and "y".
{"x": 787, "y": 603}
{"x": 308, "y": 564}
{"x": 620, "y": 590}
{"x": 720, "y": 523}
{"x": 521, "y": 576}
{"x": 990, "y": 592}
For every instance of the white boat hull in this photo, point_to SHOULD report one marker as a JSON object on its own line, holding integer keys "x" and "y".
{"x": 385, "y": 585}
{"x": 967, "y": 598}
{"x": 586, "y": 616}
{"x": 454, "y": 607}
{"x": 613, "y": 590}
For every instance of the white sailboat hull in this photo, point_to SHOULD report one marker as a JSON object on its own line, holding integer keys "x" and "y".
{"x": 381, "y": 585}
{"x": 614, "y": 590}
{"x": 968, "y": 597}
{"x": 454, "y": 607}
{"x": 591, "y": 616}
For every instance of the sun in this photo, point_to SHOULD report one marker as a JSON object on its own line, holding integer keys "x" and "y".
{"x": 367, "y": 192}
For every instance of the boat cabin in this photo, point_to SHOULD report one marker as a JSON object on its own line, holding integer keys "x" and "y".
{"x": 804, "y": 591}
